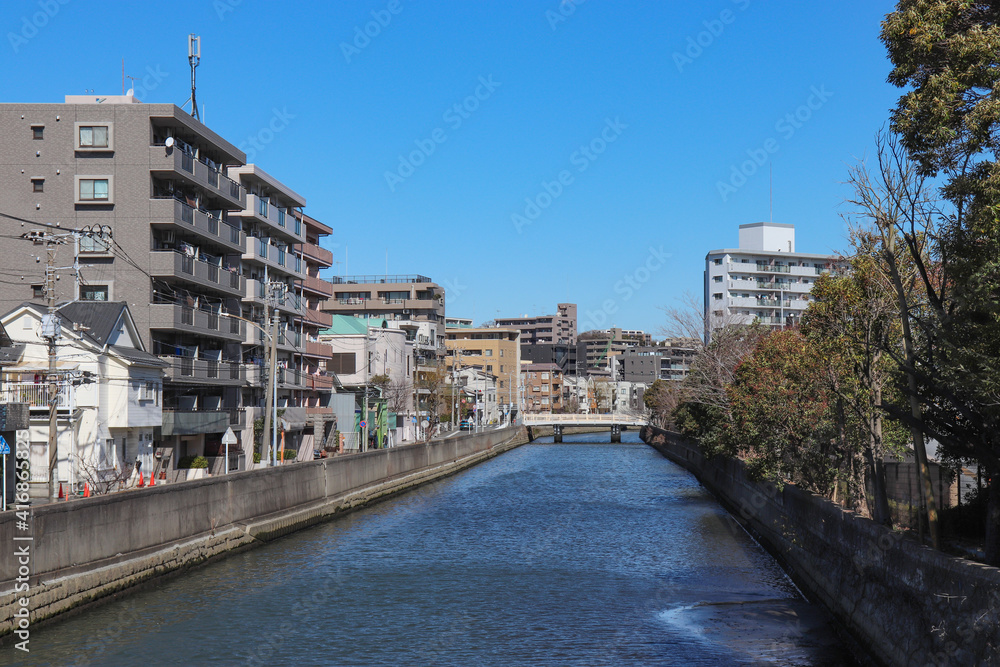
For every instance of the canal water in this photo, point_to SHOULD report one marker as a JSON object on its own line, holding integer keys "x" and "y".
{"x": 571, "y": 554}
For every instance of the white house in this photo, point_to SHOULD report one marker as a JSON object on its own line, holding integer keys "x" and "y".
{"x": 110, "y": 391}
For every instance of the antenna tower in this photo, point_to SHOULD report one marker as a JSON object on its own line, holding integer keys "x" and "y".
{"x": 194, "y": 57}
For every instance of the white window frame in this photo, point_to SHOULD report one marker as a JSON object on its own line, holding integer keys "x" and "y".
{"x": 94, "y": 149}
{"x": 96, "y": 177}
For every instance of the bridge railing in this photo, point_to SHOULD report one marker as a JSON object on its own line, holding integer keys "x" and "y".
{"x": 536, "y": 419}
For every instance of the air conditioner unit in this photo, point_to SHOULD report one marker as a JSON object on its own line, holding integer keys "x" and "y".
{"x": 406, "y": 311}
{"x": 169, "y": 237}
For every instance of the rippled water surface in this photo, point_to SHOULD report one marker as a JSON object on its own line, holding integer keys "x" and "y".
{"x": 573, "y": 554}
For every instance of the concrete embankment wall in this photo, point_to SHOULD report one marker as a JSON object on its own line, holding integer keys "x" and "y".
{"x": 86, "y": 549}
{"x": 904, "y": 603}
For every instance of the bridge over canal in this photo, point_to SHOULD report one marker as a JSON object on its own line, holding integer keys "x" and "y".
{"x": 615, "y": 422}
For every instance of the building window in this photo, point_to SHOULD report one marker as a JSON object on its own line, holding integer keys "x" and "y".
{"x": 37, "y": 131}
{"x": 262, "y": 207}
{"x": 717, "y": 262}
{"x": 147, "y": 391}
{"x": 38, "y": 291}
{"x": 717, "y": 279}
{"x": 94, "y": 293}
{"x": 281, "y": 217}
{"x": 94, "y": 190}
{"x": 95, "y": 242}
{"x": 38, "y": 185}
{"x": 717, "y": 296}
{"x": 91, "y": 137}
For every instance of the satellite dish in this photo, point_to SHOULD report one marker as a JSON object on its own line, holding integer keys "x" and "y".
{"x": 130, "y": 93}
{"x": 169, "y": 143}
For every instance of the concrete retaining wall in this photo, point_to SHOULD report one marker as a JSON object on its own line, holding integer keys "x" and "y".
{"x": 86, "y": 549}
{"x": 905, "y": 603}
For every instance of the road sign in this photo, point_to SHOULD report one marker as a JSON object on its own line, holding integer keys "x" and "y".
{"x": 229, "y": 438}
{"x": 364, "y": 424}
{"x": 4, "y": 447}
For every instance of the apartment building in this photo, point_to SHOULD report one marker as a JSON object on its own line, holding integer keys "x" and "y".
{"x": 595, "y": 348}
{"x": 493, "y": 350}
{"x": 543, "y": 387}
{"x": 763, "y": 280}
{"x": 413, "y": 303}
{"x": 164, "y": 214}
{"x": 557, "y": 328}
{"x": 669, "y": 360}
{"x": 457, "y": 323}
{"x": 315, "y": 354}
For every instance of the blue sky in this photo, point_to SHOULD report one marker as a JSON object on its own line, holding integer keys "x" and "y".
{"x": 583, "y": 162}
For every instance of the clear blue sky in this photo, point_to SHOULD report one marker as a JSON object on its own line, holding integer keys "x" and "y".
{"x": 555, "y": 82}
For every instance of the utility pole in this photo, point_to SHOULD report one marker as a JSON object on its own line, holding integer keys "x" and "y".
{"x": 270, "y": 400}
{"x": 50, "y": 330}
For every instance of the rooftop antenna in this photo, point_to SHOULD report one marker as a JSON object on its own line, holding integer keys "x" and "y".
{"x": 194, "y": 57}
{"x": 770, "y": 191}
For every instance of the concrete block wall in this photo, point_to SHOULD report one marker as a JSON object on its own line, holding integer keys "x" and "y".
{"x": 904, "y": 603}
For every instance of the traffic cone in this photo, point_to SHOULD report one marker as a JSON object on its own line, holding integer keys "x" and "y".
{"x": 141, "y": 483}
{"x": 152, "y": 479}
{"x": 86, "y": 490}
{"x": 62, "y": 496}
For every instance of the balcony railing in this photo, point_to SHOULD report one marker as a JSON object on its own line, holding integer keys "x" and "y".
{"x": 318, "y": 285}
{"x": 36, "y": 395}
{"x": 774, "y": 268}
{"x": 173, "y": 263}
{"x": 190, "y": 369}
{"x": 198, "y": 170}
{"x": 316, "y": 253}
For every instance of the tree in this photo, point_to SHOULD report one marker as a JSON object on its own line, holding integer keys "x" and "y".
{"x": 948, "y": 53}
{"x": 433, "y": 390}
{"x": 662, "y": 399}
{"x": 851, "y": 320}
{"x": 783, "y": 422}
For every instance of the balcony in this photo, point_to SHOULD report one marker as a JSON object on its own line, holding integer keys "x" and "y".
{"x": 194, "y": 171}
{"x": 773, "y": 268}
{"x": 317, "y": 254}
{"x": 193, "y": 422}
{"x": 317, "y": 349}
{"x": 36, "y": 395}
{"x": 282, "y": 261}
{"x": 196, "y": 321}
{"x": 318, "y": 286}
{"x": 317, "y": 318}
{"x": 173, "y": 213}
{"x": 773, "y": 303}
{"x": 263, "y": 211}
{"x": 189, "y": 370}
{"x": 174, "y": 264}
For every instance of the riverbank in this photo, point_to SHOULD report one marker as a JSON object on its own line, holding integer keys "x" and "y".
{"x": 75, "y": 553}
{"x": 904, "y": 603}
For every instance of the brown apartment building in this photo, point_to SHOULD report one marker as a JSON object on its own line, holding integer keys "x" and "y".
{"x": 543, "y": 388}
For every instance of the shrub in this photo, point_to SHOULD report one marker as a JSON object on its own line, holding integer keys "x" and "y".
{"x": 192, "y": 462}
{"x": 289, "y": 455}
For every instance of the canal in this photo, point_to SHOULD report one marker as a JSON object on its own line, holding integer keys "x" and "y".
{"x": 572, "y": 554}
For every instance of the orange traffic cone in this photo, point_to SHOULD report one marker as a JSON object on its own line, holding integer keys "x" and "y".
{"x": 141, "y": 483}
{"x": 86, "y": 490}
{"x": 152, "y": 479}
{"x": 62, "y": 496}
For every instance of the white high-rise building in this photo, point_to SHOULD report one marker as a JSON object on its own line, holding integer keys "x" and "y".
{"x": 763, "y": 280}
